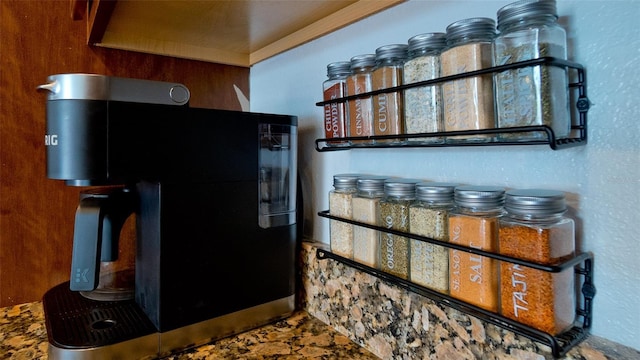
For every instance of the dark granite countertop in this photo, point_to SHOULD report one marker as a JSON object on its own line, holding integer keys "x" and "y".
{"x": 394, "y": 323}
{"x": 23, "y": 336}
{"x": 365, "y": 315}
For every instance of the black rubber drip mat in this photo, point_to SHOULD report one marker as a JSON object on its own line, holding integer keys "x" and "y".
{"x": 75, "y": 322}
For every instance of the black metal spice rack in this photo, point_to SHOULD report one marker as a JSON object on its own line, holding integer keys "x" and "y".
{"x": 579, "y": 124}
{"x": 560, "y": 344}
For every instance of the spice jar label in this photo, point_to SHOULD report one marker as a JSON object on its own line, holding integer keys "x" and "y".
{"x": 387, "y": 107}
{"x": 334, "y": 123}
{"x": 534, "y": 95}
{"x": 394, "y": 249}
{"x": 468, "y": 103}
{"x": 360, "y": 109}
{"x": 540, "y": 299}
{"x": 537, "y": 298}
{"x": 473, "y": 278}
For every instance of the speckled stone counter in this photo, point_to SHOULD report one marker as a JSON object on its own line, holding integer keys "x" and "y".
{"x": 395, "y": 323}
{"x": 348, "y": 314}
{"x": 23, "y": 336}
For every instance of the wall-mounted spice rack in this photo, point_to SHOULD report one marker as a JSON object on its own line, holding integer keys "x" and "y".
{"x": 560, "y": 344}
{"x": 578, "y": 135}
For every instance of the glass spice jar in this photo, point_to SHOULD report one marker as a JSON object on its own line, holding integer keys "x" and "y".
{"x": 370, "y": 190}
{"x": 360, "y": 110}
{"x": 423, "y": 105}
{"x": 535, "y": 229}
{"x": 468, "y": 102}
{"x": 533, "y": 95}
{"x": 335, "y": 113}
{"x": 387, "y": 107}
{"x": 474, "y": 223}
{"x": 429, "y": 217}
{"x": 394, "y": 214}
{"x": 341, "y": 233}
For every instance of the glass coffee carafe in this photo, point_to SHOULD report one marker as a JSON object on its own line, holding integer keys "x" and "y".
{"x": 104, "y": 244}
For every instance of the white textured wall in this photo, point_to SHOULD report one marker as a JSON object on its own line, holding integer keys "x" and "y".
{"x": 602, "y": 178}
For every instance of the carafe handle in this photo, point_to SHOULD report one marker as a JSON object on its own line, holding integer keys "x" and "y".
{"x": 87, "y": 241}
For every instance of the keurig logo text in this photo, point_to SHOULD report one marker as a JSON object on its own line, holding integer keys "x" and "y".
{"x": 51, "y": 140}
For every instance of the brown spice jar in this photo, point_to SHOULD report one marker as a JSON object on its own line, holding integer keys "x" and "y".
{"x": 360, "y": 110}
{"x": 468, "y": 102}
{"x": 387, "y": 107}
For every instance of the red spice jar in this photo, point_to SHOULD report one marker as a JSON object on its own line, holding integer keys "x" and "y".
{"x": 535, "y": 229}
{"x": 335, "y": 114}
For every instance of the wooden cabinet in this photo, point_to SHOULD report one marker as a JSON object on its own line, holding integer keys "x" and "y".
{"x": 235, "y": 32}
{"x": 37, "y": 214}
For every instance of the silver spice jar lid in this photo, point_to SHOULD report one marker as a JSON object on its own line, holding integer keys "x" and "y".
{"x": 481, "y": 197}
{"x": 430, "y": 41}
{"x": 401, "y": 188}
{"x": 371, "y": 183}
{"x": 364, "y": 60}
{"x": 435, "y": 191}
{"x": 345, "y": 181}
{"x": 339, "y": 68}
{"x": 523, "y": 9}
{"x": 470, "y": 30}
{"x": 393, "y": 51}
{"x": 535, "y": 202}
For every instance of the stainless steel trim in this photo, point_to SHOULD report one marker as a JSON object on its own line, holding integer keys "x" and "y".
{"x": 145, "y": 347}
{"x": 102, "y": 87}
{"x": 163, "y": 344}
{"x": 226, "y": 325}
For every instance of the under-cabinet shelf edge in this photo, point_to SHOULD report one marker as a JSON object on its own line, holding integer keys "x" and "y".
{"x": 329, "y": 24}
{"x": 98, "y": 34}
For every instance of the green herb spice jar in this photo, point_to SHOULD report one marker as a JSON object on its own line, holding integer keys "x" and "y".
{"x": 535, "y": 229}
{"x": 365, "y": 210}
{"x": 474, "y": 224}
{"x": 429, "y": 217}
{"x": 468, "y": 102}
{"x": 394, "y": 214}
{"x": 423, "y": 105}
{"x": 534, "y": 95}
{"x": 335, "y": 114}
{"x": 340, "y": 197}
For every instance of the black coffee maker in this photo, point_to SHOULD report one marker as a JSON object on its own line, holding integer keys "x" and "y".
{"x": 214, "y": 194}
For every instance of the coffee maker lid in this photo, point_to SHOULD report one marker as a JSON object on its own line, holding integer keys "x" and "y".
{"x": 102, "y": 87}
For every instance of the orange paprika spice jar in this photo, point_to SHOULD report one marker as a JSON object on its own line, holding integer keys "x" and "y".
{"x": 535, "y": 229}
{"x": 474, "y": 223}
